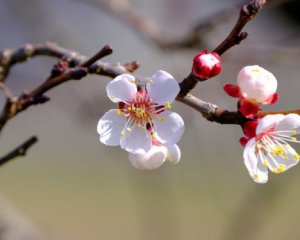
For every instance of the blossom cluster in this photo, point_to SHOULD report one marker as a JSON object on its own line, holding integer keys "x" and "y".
{"x": 144, "y": 125}
{"x": 267, "y": 139}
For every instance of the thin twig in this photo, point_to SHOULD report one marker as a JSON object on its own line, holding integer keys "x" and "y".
{"x": 262, "y": 114}
{"x": 247, "y": 13}
{"x": 83, "y": 66}
{"x": 19, "y": 151}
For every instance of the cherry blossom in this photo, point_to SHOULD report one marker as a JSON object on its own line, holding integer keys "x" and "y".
{"x": 270, "y": 148}
{"x": 255, "y": 86}
{"x": 143, "y": 120}
{"x": 206, "y": 65}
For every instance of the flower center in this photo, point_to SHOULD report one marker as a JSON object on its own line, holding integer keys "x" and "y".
{"x": 140, "y": 112}
{"x": 266, "y": 132}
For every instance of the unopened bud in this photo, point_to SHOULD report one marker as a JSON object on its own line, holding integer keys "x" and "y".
{"x": 257, "y": 84}
{"x": 206, "y": 65}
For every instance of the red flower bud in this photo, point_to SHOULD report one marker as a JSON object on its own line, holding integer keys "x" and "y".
{"x": 206, "y": 65}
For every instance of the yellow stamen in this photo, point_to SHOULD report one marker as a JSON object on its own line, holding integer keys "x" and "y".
{"x": 279, "y": 149}
{"x": 282, "y": 167}
{"x": 129, "y": 129}
{"x": 118, "y": 111}
{"x": 266, "y": 163}
{"x": 162, "y": 119}
{"x": 129, "y": 108}
{"x": 150, "y": 81}
{"x": 296, "y": 156}
{"x": 122, "y": 133}
{"x": 168, "y": 105}
{"x": 286, "y": 158}
{"x": 259, "y": 146}
{"x": 139, "y": 112}
{"x": 132, "y": 80}
{"x": 294, "y": 139}
{"x": 275, "y": 170}
{"x": 294, "y": 132}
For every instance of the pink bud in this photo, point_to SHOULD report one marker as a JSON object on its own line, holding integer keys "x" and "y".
{"x": 206, "y": 65}
{"x": 257, "y": 84}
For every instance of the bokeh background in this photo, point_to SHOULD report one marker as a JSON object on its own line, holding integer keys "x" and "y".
{"x": 71, "y": 186}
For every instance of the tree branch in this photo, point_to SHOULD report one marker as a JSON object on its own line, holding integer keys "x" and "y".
{"x": 247, "y": 13}
{"x": 82, "y": 67}
{"x": 19, "y": 151}
{"x": 212, "y": 112}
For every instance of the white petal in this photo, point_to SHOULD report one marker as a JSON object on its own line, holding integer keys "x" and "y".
{"x": 164, "y": 87}
{"x": 289, "y": 122}
{"x": 261, "y": 175}
{"x": 122, "y": 88}
{"x": 153, "y": 159}
{"x": 110, "y": 127}
{"x": 254, "y": 165}
{"x": 289, "y": 160}
{"x": 174, "y": 153}
{"x": 250, "y": 158}
{"x": 268, "y": 121}
{"x": 137, "y": 140}
{"x": 169, "y": 127}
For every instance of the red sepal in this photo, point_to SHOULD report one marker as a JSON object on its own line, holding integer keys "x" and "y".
{"x": 249, "y": 128}
{"x": 232, "y": 90}
{"x": 273, "y": 99}
{"x": 216, "y": 70}
{"x": 243, "y": 141}
{"x": 248, "y": 109}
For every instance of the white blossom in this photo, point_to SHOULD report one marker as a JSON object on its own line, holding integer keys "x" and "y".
{"x": 270, "y": 148}
{"x": 143, "y": 118}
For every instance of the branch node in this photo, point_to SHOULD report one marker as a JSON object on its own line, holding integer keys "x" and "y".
{"x": 131, "y": 67}
{"x": 78, "y": 72}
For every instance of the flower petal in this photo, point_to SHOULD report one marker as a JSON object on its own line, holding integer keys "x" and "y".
{"x": 289, "y": 122}
{"x": 169, "y": 127}
{"x": 268, "y": 121}
{"x": 261, "y": 174}
{"x": 254, "y": 165}
{"x": 285, "y": 161}
{"x": 110, "y": 127}
{"x": 122, "y": 88}
{"x": 250, "y": 158}
{"x": 137, "y": 140}
{"x": 153, "y": 159}
{"x": 174, "y": 153}
{"x": 164, "y": 87}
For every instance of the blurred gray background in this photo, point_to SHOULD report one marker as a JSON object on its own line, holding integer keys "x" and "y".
{"x": 73, "y": 187}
